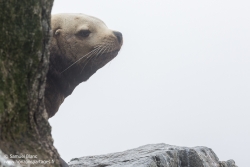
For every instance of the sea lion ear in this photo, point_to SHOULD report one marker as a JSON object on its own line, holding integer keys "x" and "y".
{"x": 57, "y": 32}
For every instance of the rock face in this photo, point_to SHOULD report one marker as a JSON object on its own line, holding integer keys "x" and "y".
{"x": 155, "y": 155}
{"x": 24, "y": 62}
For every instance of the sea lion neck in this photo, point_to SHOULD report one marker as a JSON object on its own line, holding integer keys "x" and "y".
{"x": 60, "y": 83}
{"x": 64, "y": 81}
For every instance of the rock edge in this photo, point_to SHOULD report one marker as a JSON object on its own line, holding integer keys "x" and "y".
{"x": 155, "y": 155}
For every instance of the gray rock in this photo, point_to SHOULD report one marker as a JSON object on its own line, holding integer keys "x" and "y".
{"x": 155, "y": 155}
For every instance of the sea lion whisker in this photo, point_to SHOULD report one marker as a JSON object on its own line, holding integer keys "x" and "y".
{"x": 110, "y": 49}
{"x": 91, "y": 56}
{"x": 94, "y": 53}
{"x": 97, "y": 46}
{"x": 95, "y": 50}
{"x": 86, "y": 63}
{"x": 104, "y": 50}
{"x": 106, "y": 47}
{"x": 77, "y": 61}
{"x": 99, "y": 53}
{"x": 101, "y": 50}
{"x": 111, "y": 45}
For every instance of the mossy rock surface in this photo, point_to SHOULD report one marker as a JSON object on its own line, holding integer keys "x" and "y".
{"x": 24, "y": 58}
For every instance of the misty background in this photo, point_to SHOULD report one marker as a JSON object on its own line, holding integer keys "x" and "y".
{"x": 182, "y": 78}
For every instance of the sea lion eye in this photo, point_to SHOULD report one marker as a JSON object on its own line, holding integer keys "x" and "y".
{"x": 84, "y": 33}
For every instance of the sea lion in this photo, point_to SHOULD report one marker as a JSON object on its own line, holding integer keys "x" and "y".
{"x": 80, "y": 45}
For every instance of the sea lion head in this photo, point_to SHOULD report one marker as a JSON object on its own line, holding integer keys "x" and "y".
{"x": 84, "y": 40}
{"x": 80, "y": 45}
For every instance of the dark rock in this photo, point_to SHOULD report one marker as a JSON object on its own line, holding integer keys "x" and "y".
{"x": 155, "y": 155}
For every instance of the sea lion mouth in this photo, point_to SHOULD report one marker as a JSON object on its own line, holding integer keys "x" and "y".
{"x": 111, "y": 53}
{"x": 104, "y": 58}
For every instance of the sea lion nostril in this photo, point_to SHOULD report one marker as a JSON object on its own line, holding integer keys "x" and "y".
{"x": 118, "y": 36}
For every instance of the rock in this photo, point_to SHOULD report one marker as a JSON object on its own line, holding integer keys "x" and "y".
{"x": 155, "y": 155}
